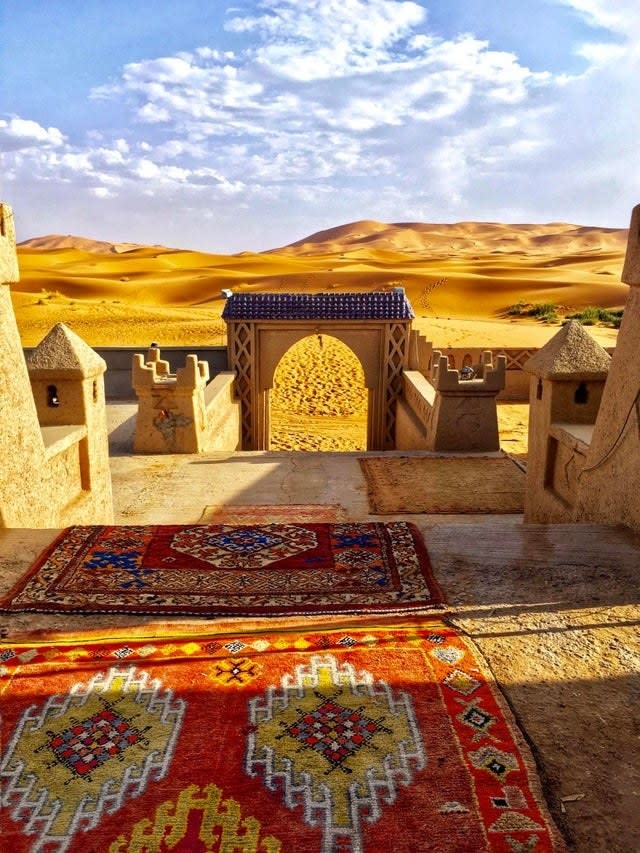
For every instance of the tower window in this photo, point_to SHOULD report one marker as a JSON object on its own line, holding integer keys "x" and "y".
{"x": 53, "y": 401}
{"x": 582, "y": 395}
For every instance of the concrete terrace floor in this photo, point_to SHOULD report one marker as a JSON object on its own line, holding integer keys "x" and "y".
{"x": 554, "y": 610}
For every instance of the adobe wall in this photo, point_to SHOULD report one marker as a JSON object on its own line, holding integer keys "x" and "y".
{"x": 21, "y": 443}
{"x": 450, "y": 413}
{"x": 183, "y": 412}
{"x": 608, "y": 488}
{"x": 584, "y": 419}
{"x": 50, "y": 475}
{"x": 414, "y": 411}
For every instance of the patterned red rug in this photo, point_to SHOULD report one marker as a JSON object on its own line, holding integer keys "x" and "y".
{"x": 271, "y": 569}
{"x": 352, "y": 741}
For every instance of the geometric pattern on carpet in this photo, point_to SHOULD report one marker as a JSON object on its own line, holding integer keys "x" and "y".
{"x": 323, "y": 740}
{"x": 270, "y": 569}
{"x": 443, "y": 484}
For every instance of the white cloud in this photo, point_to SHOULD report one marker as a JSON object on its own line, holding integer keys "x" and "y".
{"x": 323, "y": 39}
{"x": 19, "y": 133}
{"x": 352, "y": 109}
{"x": 620, "y": 16}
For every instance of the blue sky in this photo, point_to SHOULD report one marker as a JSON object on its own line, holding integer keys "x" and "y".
{"x": 230, "y": 125}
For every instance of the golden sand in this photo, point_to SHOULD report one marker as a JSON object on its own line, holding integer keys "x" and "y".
{"x": 460, "y": 280}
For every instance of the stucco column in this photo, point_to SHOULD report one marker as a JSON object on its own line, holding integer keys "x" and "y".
{"x": 609, "y": 482}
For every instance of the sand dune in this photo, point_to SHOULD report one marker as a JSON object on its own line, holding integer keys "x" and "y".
{"x": 51, "y": 242}
{"x": 461, "y": 238}
{"x": 467, "y": 271}
{"x": 460, "y": 278}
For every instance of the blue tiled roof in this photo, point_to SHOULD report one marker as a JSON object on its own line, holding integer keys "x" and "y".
{"x": 379, "y": 305}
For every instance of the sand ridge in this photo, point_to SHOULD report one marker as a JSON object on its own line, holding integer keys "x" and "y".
{"x": 464, "y": 271}
{"x": 460, "y": 279}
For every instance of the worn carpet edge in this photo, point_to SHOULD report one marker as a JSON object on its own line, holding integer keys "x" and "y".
{"x": 378, "y": 487}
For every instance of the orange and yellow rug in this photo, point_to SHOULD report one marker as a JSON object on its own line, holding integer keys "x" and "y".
{"x": 331, "y": 740}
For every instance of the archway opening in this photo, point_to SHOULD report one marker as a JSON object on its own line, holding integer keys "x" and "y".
{"x": 319, "y": 399}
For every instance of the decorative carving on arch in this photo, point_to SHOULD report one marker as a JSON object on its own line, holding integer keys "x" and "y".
{"x": 241, "y": 337}
{"x": 396, "y": 342}
{"x": 262, "y": 327}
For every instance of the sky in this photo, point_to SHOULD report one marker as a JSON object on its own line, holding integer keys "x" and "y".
{"x": 243, "y": 125}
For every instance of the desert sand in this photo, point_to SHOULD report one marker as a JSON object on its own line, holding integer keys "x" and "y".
{"x": 461, "y": 280}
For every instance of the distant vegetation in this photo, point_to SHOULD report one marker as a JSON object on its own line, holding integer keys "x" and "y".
{"x": 549, "y": 312}
{"x": 591, "y": 316}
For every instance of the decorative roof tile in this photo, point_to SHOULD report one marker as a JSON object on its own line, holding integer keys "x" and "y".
{"x": 379, "y": 305}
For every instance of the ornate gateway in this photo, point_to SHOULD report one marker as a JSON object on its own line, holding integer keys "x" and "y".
{"x": 261, "y": 327}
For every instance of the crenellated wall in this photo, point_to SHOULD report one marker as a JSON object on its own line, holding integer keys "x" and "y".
{"x": 183, "y": 412}
{"x": 449, "y": 412}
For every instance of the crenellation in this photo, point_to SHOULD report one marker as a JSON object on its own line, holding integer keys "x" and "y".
{"x": 446, "y": 411}
{"x": 176, "y": 411}
{"x": 193, "y": 375}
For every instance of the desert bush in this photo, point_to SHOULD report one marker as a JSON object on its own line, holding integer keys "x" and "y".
{"x": 518, "y": 309}
{"x": 545, "y": 311}
{"x": 591, "y": 315}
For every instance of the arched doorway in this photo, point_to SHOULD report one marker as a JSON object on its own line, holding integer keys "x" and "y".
{"x": 319, "y": 399}
{"x": 261, "y": 327}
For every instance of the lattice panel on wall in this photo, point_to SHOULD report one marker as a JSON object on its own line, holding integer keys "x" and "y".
{"x": 242, "y": 352}
{"x": 516, "y": 359}
{"x": 396, "y": 341}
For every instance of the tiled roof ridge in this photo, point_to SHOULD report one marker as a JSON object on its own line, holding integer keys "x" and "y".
{"x": 379, "y": 304}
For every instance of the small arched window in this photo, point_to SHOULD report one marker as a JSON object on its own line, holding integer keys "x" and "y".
{"x": 581, "y": 397}
{"x": 53, "y": 401}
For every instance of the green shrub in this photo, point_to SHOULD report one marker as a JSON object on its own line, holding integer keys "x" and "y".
{"x": 545, "y": 311}
{"x": 591, "y": 315}
{"x": 518, "y": 309}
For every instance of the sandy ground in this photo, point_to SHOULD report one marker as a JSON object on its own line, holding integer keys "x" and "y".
{"x": 456, "y": 277}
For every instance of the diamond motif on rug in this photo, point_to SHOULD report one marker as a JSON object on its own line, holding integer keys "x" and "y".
{"x": 313, "y": 740}
{"x": 86, "y": 753}
{"x": 328, "y": 717}
{"x": 265, "y": 570}
{"x": 89, "y": 743}
{"x": 334, "y": 731}
{"x": 244, "y": 547}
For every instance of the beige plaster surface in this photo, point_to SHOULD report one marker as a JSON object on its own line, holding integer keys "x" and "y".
{"x": 60, "y": 477}
{"x": 592, "y": 475}
{"x": 608, "y": 490}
